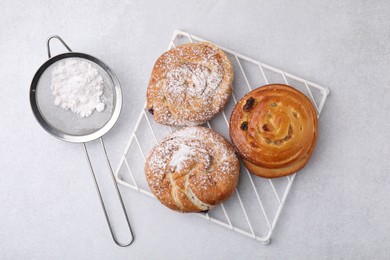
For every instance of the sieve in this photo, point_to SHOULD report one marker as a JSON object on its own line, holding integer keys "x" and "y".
{"x": 68, "y": 126}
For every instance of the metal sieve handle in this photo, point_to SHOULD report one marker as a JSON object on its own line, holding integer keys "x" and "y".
{"x": 117, "y": 192}
{"x": 58, "y": 38}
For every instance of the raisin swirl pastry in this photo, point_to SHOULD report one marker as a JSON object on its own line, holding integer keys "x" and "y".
{"x": 274, "y": 128}
{"x": 189, "y": 84}
{"x": 192, "y": 170}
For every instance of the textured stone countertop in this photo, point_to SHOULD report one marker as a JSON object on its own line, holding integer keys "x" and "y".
{"x": 338, "y": 206}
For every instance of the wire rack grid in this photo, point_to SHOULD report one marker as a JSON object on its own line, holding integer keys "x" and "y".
{"x": 255, "y": 207}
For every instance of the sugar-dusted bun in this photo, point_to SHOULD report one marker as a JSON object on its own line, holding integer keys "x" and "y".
{"x": 189, "y": 84}
{"x": 274, "y": 128}
{"x": 192, "y": 169}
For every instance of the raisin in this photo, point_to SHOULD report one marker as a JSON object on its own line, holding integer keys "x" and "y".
{"x": 151, "y": 111}
{"x": 244, "y": 126}
{"x": 249, "y": 103}
{"x": 265, "y": 128}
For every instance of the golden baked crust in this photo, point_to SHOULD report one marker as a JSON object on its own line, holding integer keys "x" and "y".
{"x": 274, "y": 128}
{"x": 192, "y": 169}
{"x": 189, "y": 84}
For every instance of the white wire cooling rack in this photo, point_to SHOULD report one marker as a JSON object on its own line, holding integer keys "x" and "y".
{"x": 255, "y": 207}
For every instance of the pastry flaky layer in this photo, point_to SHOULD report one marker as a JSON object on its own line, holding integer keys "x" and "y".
{"x": 274, "y": 129}
{"x": 192, "y": 169}
{"x": 189, "y": 84}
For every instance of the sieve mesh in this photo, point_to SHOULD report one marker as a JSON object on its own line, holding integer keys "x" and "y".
{"x": 67, "y": 121}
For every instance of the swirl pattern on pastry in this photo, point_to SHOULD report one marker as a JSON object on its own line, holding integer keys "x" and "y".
{"x": 189, "y": 84}
{"x": 274, "y": 128}
{"x": 192, "y": 169}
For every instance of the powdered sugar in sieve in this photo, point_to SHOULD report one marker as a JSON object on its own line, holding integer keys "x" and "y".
{"x": 64, "y": 93}
{"x": 70, "y": 92}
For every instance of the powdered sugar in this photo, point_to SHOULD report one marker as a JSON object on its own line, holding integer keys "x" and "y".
{"x": 184, "y": 153}
{"x": 77, "y": 85}
{"x": 195, "y": 80}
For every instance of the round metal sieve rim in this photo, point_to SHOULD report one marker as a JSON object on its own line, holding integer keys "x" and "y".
{"x": 58, "y": 133}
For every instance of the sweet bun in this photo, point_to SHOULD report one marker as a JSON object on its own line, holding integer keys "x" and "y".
{"x": 274, "y": 128}
{"x": 192, "y": 170}
{"x": 189, "y": 84}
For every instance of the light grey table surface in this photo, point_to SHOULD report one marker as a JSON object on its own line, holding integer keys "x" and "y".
{"x": 338, "y": 207}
